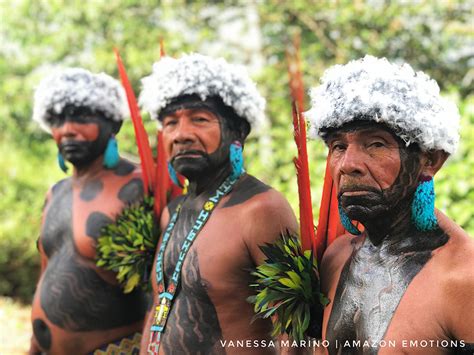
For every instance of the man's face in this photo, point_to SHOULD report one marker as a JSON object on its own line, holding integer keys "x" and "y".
{"x": 196, "y": 140}
{"x": 80, "y": 134}
{"x": 372, "y": 169}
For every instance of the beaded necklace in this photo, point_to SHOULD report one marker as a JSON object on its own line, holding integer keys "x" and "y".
{"x": 166, "y": 297}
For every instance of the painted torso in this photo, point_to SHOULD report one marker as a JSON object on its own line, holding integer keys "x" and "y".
{"x": 78, "y": 307}
{"x": 210, "y": 306}
{"x": 387, "y": 302}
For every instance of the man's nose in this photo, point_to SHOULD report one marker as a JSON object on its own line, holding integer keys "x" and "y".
{"x": 68, "y": 129}
{"x": 184, "y": 132}
{"x": 353, "y": 161}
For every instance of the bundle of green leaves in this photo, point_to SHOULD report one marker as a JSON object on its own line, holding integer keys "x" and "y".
{"x": 288, "y": 289}
{"x": 128, "y": 245}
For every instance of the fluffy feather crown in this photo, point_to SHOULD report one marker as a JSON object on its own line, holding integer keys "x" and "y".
{"x": 81, "y": 88}
{"x": 370, "y": 88}
{"x": 205, "y": 77}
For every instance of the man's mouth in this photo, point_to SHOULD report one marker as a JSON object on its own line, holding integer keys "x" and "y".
{"x": 360, "y": 190}
{"x": 355, "y": 193}
{"x": 71, "y": 146}
{"x": 188, "y": 154}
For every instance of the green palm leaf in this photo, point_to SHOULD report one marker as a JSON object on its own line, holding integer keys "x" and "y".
{"x": 128, "y": 245}
{"x": 288, "y": 290}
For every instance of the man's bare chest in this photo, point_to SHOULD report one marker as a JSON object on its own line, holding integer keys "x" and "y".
{"x": 76, "y": 215}
{"x": 368, "y": 294}
{"x": 214, "y": 258}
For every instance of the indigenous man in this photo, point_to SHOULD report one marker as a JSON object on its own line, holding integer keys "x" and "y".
{"x": 79, "y": 308}
{"x": 405, "y": 284}
{"x": 206, "y": 108}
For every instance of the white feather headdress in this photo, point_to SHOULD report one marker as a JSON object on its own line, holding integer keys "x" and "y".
{"x": 81, "y": 88}
{"x": 370, "y": 88}
{"x": 206, "y": 77}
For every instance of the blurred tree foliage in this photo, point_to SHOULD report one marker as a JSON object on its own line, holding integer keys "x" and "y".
{"x": 39, "y": 36}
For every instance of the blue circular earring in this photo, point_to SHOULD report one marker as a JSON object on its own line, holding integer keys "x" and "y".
{"x": 61, "y": 162}
{"x": 346, "y": 221}
{"x": 173, "y": 175}
{"x": 111, "y": 154}
{"x": 236, "y": 159}
{"x": 423, "y": 205}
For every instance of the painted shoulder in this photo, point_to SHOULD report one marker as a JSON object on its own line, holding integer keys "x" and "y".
{"x": 336, "y": 255}
{"x": 59, "y": 187}
{"x": 453, "y": 266}
{"x": 247, "y": 188}
{"x": 259, "y": 198}
{"x": 343, "y": 244}
{"x": 267, "y": 214}
{"x": 456, "y": 257}
{"x": 126, "y": 168}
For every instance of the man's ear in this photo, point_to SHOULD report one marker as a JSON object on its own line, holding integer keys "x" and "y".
{"x": 432, "y": 161}
{"x": 244, "y": 131}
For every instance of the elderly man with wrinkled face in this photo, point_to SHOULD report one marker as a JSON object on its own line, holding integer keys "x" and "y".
{"x": 406, "y": 283}
{"x": 78, "y": 307}
{"x": 211, "y": 234}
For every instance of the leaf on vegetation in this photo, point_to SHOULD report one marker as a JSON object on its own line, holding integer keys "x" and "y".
{"x": 128, "y": 245}
{"x": 288, "y": 289}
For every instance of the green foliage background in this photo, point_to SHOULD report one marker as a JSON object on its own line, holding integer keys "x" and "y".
{"x": 38, "y": 36}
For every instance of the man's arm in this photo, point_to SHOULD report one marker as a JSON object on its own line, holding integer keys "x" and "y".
{"x": 146, "y": 331}
{"x": 34, "y": 347}
{"x": 458, "y": 302}
{"x": 268, "y": 216}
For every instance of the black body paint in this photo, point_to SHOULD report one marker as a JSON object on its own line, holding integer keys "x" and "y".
{"x": 91, "y": 190}
{"x": 75, "y": 298}
{"x": 58, "y": 219}
{"x": 247, "y": 188}
{"x": 42, "y": 333}
{"x": 371, "y": 286}
{"x": 467, "y": 349}
{"x": 131, "y": 191}
{"x": 377, "y": 274}
{"x": 80, "y": 153}
{"x": 95, "y": 222}
{"x": 123, "y": 168}
{"x": 193, "y": 326}
{"x": 72, "y": 294}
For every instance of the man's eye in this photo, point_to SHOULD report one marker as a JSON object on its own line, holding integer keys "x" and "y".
{"x": 337, "y": 147}
{"x": 200, "y": 119}
{"x": 376, "y": 144}
{"x": 169, "y": 123}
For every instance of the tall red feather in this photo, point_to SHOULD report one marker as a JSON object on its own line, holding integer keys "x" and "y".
{"x": 163, "y": 184}
{"x": 301, "y": 162}
{"x": 329, "y": 225}
{"x": 165, "y": 190}
{"x": 143, "y": 144}
{"x": 162, "y": 48}
{"x": 304, "y": 191}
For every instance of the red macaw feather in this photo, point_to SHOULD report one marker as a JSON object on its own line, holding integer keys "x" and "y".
{"x": 165, "y": 190}
{"x": 143, "y": 144}
{"x": 302, "y": 173}
{"x": 329, "y": 225}
{"x": 162, "y": 177}
{"x": 162, "y": 48}
{"x": 301, "y": 162}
